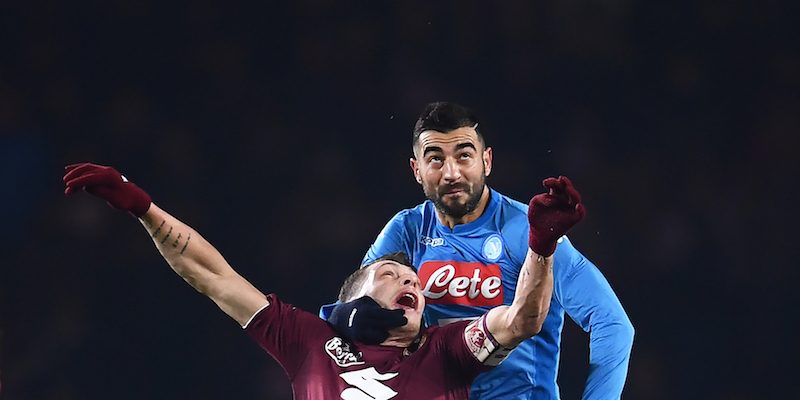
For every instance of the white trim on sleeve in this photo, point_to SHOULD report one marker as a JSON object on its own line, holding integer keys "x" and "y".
{"x": 254, "y": 315}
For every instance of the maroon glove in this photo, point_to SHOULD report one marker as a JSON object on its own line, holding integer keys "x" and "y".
{"x": 552, "y": 214}
{"x": 107, "y": 184}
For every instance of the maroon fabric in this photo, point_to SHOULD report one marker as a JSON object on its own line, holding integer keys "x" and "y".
{"x": 109, "y": 185}
{"x": 552, "y": 214}
{"x": 323, "y": 366}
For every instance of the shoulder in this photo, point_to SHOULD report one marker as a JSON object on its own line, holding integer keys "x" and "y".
{"x": 510, "y": 204}
{"x": 276, "y": 312}
{"x": 409, "y": 219}
{"x": 511, "y": 221}
{"x": 509, "y": 211}
{"x": 566, "y": 253}
{"x": 417, "y": 213}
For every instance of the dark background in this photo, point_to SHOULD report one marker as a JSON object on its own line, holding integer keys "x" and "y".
{"x": 281, "y": 131}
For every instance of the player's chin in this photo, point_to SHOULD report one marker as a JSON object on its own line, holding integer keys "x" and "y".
{"x": 412, "y": 314}
{"x": 455, "y": 199}
{"x": 413, "y": 325}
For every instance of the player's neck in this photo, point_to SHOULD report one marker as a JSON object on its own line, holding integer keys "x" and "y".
{"x": 451, "y": 222}
{"x": 400, "y": 337}
{"x": 398, "y": 342}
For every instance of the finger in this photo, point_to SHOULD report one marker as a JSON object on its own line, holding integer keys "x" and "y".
{"x": 80, "y": 170}
{"x": 551, "y": 183}
{"x": 556, "y": 187}
{"x": 393, "y": 321}
{"x": 70, "y": 167}
{"x": 91, "y": 179}
{"x": 372, "y": 336}
{"x": 544, "y": 200}
{"x": 574, "y": 196}
{"x": 383, "y": 315}
{"x": 580, "y": 210}
{"x": 394, "y": 316}
{"x": 101, "y": 191}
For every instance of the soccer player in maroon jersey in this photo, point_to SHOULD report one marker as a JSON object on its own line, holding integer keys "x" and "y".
{"x": 412, "y": 363}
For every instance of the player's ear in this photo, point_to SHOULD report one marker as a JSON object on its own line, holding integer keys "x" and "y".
{"x": 415, "y": 167}
{"x": 487, "y": 161}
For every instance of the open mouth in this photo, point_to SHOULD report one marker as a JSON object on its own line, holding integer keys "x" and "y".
{"x": 407, "y": 301}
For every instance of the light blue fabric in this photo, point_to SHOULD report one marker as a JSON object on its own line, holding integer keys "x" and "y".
{"x": 472, "y": 251}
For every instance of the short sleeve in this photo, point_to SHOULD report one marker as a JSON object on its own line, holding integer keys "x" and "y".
{"x": 287, "y": 333}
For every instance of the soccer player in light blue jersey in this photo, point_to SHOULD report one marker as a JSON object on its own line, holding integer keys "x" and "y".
{"x": 468, "y": 243}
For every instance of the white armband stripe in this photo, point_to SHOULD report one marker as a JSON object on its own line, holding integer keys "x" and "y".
{"x": 482, "y": 344}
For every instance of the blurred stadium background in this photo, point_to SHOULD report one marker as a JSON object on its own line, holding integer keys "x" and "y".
{"x": 281, "y": 131}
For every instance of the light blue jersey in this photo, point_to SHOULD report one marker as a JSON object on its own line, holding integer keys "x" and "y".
{"x": 473, "y": 267}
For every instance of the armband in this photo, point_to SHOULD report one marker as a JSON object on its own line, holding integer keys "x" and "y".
{"x": 482, "y": 344}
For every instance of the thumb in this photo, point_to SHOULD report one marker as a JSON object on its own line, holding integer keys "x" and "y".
{"x": 392, "y": 319}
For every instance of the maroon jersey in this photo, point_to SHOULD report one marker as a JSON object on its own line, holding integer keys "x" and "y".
{"x": 323, "y": 366}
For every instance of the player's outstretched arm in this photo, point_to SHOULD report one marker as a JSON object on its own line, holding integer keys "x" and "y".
{"x": 188, "y": 253}
{"x": 550, "y": 216}
{"x": 200, "y": 264}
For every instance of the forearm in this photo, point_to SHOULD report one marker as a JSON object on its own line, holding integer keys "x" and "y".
{"x": 201, "y": 265}
{"x": 188, "y": 253}
{"x": 589, "y": 300}
{"x": 191, "y": 256}
{"x": 526, "y": 314}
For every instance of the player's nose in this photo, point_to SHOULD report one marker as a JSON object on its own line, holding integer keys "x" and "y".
{"x": 450, "y": 170}
{"x": 411, "y": 279}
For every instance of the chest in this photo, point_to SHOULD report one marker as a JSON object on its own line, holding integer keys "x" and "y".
{"x": 341, "y": 372}
{"x": 470, "y": 270}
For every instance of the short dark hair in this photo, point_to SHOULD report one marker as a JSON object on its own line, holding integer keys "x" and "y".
{"x": 353, "y": 283}
{"x": 444, "y": 116}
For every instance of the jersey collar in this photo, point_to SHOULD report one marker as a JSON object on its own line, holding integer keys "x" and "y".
{"x": 491, "y": 206}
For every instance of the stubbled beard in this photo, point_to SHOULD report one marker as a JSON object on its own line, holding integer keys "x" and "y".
{"x": 456, "y": 210}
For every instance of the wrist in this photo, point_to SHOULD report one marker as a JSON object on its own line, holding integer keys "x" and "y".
{"x": 140, "y": 201}
{"x": 544, "y": 248}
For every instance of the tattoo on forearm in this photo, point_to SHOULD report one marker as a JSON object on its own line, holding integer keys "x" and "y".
{"x": 175, "y": 243}
{"x": 188, "y": 238}
{"x": 177, "y": 239}
{"x": 159, "y": 228}
{"x": 167, "y": 237}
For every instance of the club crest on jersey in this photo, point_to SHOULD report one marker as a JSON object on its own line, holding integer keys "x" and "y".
{"x": 340, "y": 352}
{"x": 467, "y": 283}
{"x": 493, "y": 247}
{"x": 475, "y": 336}
{"x": 429, "y": 241}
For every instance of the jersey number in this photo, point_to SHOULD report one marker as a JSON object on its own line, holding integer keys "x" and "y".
{"x": 368, "y": 385}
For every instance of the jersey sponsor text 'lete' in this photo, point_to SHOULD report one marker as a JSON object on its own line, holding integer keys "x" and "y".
{"x": 467, "y": 283}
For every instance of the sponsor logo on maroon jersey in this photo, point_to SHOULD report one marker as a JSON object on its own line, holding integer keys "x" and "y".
{"x": 368, "y": 385}
{"x": 468, "y": 283}
{"x": 340, "y": 351}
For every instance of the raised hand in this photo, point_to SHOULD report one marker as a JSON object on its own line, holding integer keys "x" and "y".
{"x": 552, "y": 214}
{"x": 364, "y": 320}
{"x": 107, "y": 184}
